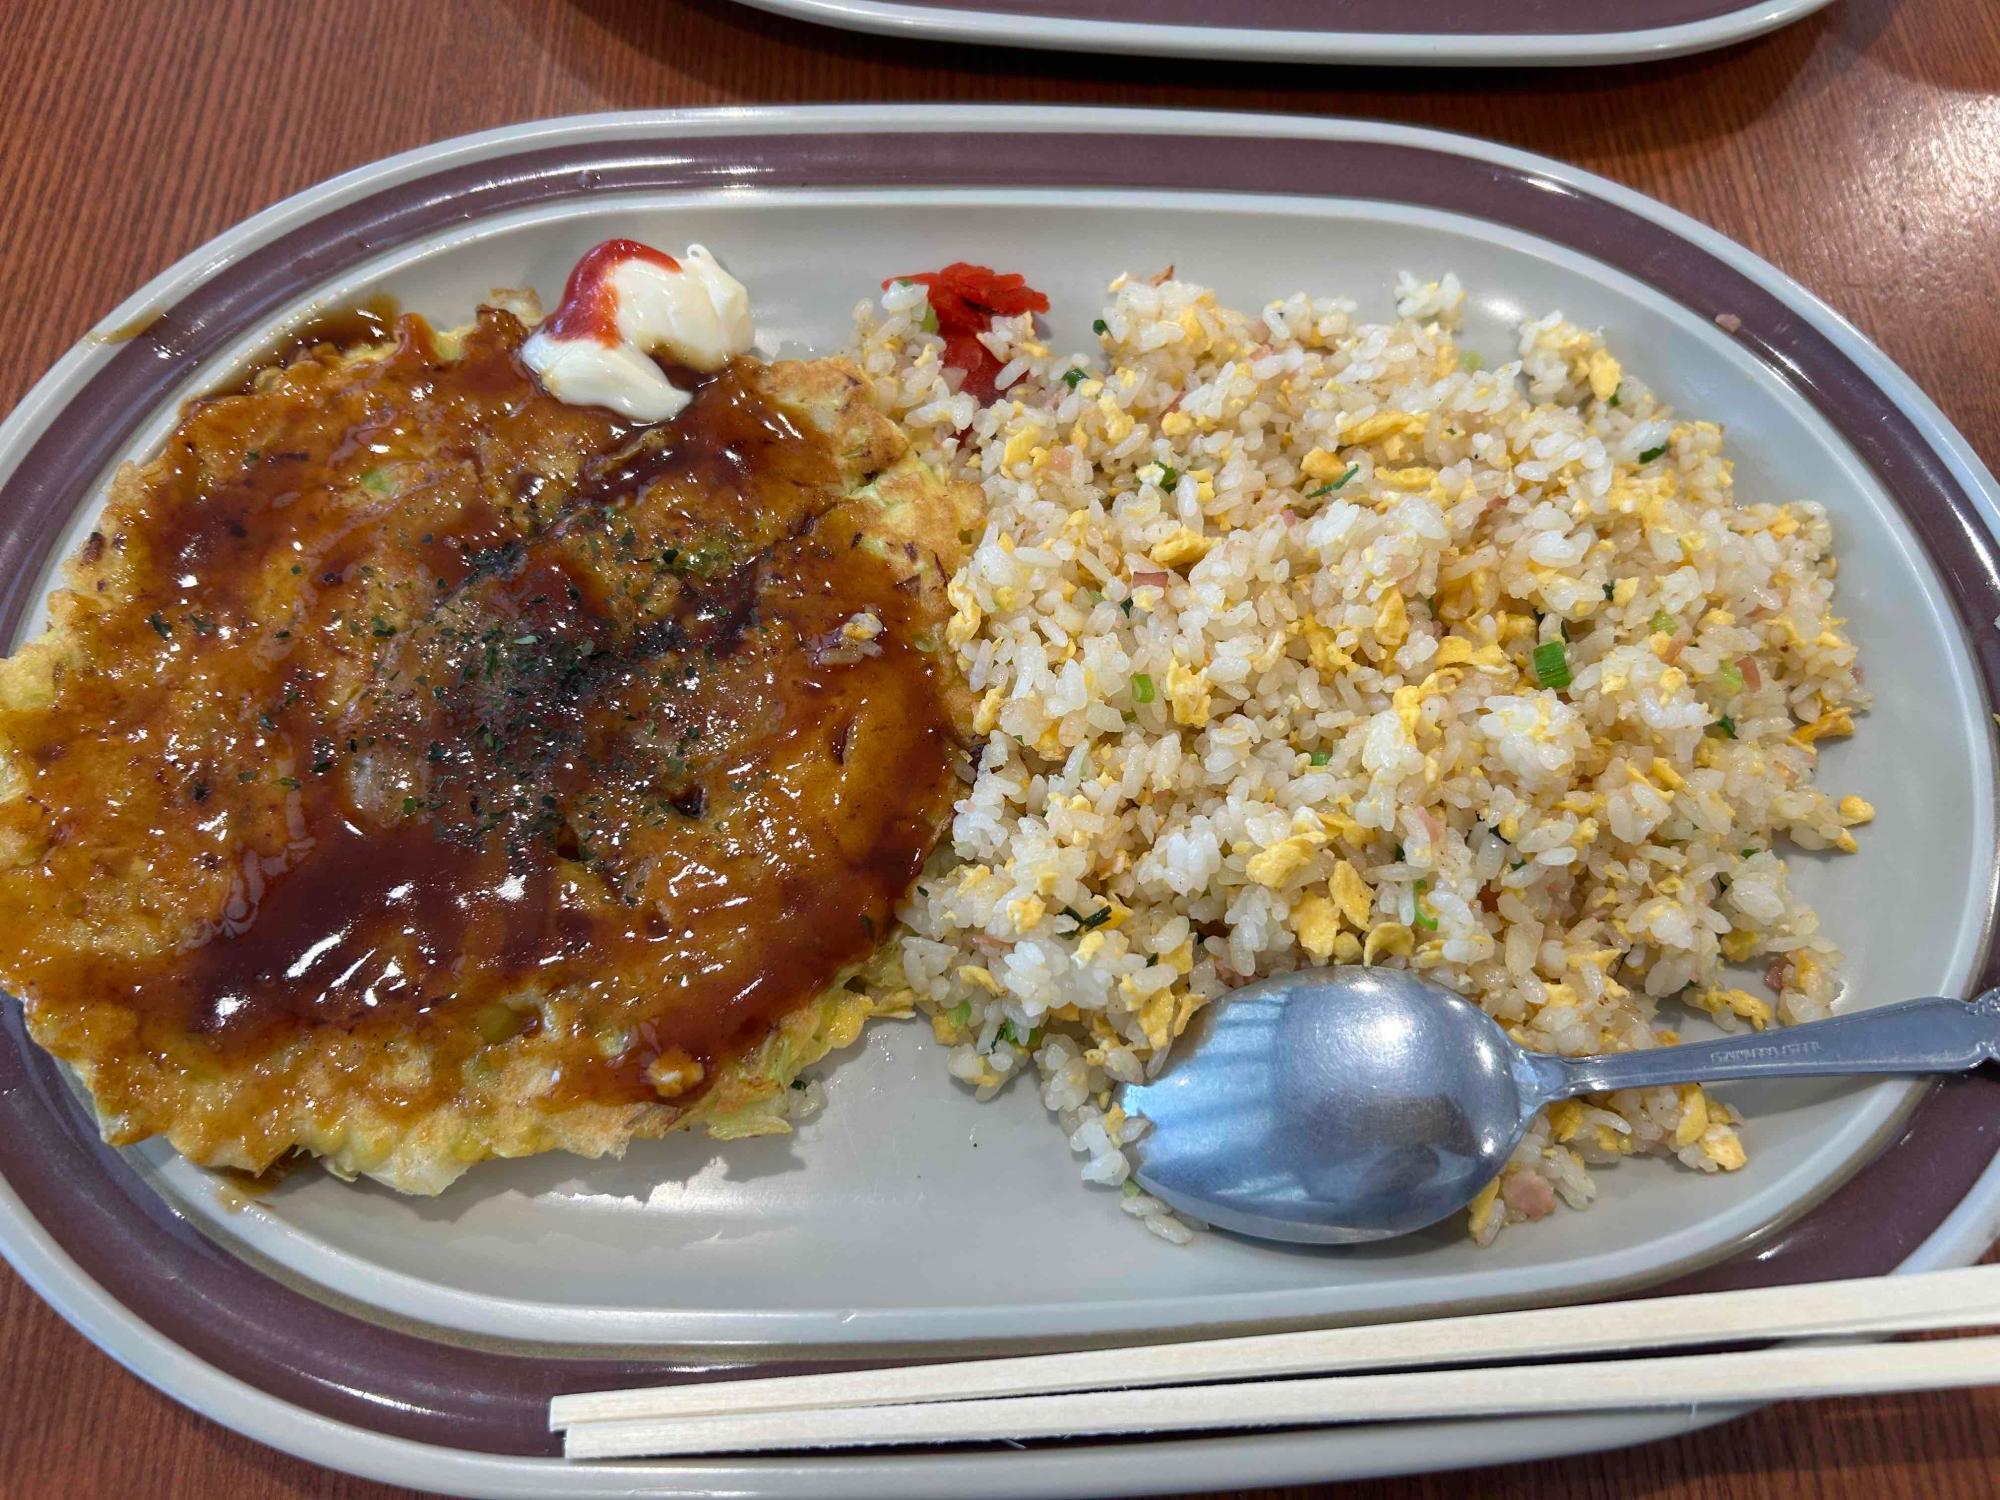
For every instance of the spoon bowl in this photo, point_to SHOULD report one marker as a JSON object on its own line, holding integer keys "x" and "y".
{"x": 1341, "y": 1105}
{"x": 1445, "y": 1104}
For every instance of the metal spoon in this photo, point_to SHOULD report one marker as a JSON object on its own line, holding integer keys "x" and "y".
{"x": 1333, "y": 1106}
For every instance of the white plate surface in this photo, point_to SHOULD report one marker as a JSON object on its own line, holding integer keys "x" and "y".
{"x": 1253, "y": 41}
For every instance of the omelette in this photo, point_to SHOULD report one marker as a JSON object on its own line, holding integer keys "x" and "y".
{"x": 419, "y": 768}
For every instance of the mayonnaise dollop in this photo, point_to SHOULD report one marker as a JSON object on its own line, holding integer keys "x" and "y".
{"x": 619, "y": 310}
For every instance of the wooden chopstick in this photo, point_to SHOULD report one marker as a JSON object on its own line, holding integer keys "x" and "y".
{"x": 1874, "y": 1305}
{"x": 1489, "y": 1391}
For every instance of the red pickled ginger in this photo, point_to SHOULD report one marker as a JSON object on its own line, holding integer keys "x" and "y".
{"x": 966, "y": 299}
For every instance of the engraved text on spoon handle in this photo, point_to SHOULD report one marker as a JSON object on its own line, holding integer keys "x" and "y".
{"x": 1917, "y": 1036}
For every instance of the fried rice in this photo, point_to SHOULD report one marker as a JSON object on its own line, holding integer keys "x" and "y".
{"x": 1303, "y": 640}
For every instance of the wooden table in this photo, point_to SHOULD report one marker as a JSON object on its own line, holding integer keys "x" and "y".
{"x": 1859, "y": 150}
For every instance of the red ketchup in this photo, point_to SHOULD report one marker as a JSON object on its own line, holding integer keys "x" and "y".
{"x": 589, "y": 307}
{"x": 965, "y": 300}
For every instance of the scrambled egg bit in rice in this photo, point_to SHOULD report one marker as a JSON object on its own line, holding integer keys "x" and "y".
{"x": 1303, "y": 640}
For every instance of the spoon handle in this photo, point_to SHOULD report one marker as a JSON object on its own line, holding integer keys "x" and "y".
{"x": 1917, "y": 1036}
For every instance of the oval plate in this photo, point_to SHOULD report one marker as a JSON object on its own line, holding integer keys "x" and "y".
{"x": 1457, "y": 33}
{"x": 419, "y": 1341}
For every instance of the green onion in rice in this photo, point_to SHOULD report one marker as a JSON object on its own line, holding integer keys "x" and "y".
{"x": 1332, "y": 485}
{"x": 1424, "y": 919}
{"x": 1552, "y": 664}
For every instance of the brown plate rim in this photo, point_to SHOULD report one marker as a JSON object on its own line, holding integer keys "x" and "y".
{"x": 1440, "y": 18}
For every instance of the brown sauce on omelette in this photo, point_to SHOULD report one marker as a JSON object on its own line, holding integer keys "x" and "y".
{"x": 418, "y": 708}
